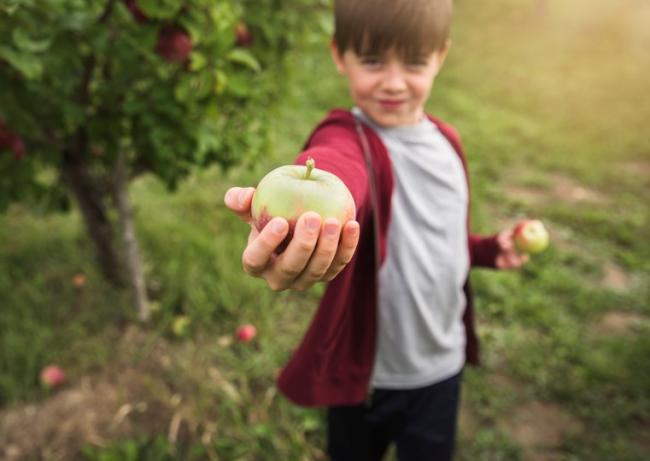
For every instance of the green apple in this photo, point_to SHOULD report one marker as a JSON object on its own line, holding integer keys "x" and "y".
{"x": 181, "y": 325}
{"x": 291, "y": 190}
{"x": 531, "y": 236}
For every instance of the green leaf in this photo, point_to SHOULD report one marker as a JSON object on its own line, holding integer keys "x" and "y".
{"x": 78, "y": 20}
{"x": 245, "y": 58}
{"x": 160, "y": 9}
{"x": 30, "y": 44}
{"x": 27, "y": 64}
{"x": 197, "y": 61}
{"x": 221, "y": 81}
{"x": 239, "y": 86}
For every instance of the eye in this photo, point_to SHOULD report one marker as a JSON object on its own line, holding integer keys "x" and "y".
{"x": 417, "y": 62}
{"x": 371, "y": 61}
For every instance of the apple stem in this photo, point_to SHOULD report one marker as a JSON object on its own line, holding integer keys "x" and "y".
{"x": 310, "y": 164}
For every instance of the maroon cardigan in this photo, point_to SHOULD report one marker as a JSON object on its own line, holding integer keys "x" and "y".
{"x": 333, "y": 364}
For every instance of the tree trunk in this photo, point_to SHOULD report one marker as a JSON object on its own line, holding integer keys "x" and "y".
{"x": 134, "y": 259}
{"x": 90, "y": 200}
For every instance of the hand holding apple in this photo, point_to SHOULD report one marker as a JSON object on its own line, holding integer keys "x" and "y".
{"x": 319, "y": 250}
{"x": 508, "y": 256}
{"x": 531, "y": 236}
{"x": 291, "y": 190}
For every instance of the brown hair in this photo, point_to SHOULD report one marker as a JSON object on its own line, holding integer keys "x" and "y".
{"x": 412, "y": 27}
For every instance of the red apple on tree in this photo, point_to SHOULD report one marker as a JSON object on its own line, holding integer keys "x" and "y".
{"x": 291, "y": 190}
{"x": 243, "y": 36}
{"x": 246, "y": 333}
{"x": 174, "y": 43}
{"x": 531, "y": 236}
{"x": 52, "y": 376}
{"x": 18, "y": 147}
{"x": 10, "y": 140}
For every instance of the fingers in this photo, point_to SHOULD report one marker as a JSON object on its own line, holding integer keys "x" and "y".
{"x": 321, "y": 260}
{"x": 509, "y": 257}
{"x": 511, "y": 260}
{"x": 345, "y": 251}
{"x": 260, "y": 249}
{"x": 238, "y": 199}
{"x": 506, "y": 241}
{"x": 295, "y": 259}
{"x": 318, "y": 251}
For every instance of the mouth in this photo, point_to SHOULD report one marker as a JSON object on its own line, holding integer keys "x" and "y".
{"x": 391, "y": 103}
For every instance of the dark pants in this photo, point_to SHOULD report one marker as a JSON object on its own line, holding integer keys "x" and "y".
{"x": 421, "y": 422}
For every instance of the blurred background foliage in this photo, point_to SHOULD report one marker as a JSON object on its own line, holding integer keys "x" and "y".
{"x": 550, "y": 99}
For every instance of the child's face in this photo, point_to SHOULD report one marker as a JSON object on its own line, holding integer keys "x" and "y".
{"x": 389, "y": 90}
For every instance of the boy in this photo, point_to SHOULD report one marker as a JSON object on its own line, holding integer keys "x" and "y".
{"x": 387, "y": 345}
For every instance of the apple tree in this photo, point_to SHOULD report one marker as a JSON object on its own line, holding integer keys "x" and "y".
{"x": 94, "y": 93}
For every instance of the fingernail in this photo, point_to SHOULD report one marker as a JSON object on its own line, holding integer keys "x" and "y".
{"x": 313, "y": 223}
{"x": 278, "y": 226}
{"x": 331, "y": 229}
{"x": 242, "y": 197}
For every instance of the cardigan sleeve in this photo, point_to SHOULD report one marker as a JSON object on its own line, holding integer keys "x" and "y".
{"x": 483, "y": 250}
{"x": 336, "y": 149}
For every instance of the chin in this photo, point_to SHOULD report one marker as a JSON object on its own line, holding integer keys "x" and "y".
{"x": 391, "y": 121}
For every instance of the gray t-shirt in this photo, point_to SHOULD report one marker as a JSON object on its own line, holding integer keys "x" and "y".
{"x": 421, "y": 336}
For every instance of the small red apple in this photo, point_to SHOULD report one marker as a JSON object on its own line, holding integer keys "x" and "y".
{"x": 79, "y": 280}
{"x": 18, "y": 147}
{"x": 291, "y": 190}
{"x": 531, "y": 236}
{"x": 10, "y": 140}
{"x": 174, "y": 43}
{"x": 246, "y": 333}
{"x": 243, "y": 36}
{"x": 52, "y": 376}
{"x": 136, "y": 11}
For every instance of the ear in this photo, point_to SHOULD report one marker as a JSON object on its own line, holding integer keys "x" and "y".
{"x": 337, "y": 58}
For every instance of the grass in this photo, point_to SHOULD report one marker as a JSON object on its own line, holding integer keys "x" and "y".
{"x": 548, "y": 104}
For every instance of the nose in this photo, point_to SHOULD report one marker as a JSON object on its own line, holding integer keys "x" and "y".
{"x": 394, "y": 80}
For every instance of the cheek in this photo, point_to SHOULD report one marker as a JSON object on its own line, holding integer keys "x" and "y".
{"x": 422, "y": 87}
{"x": 362, "y": 86}
{"x": 361, "y": 90}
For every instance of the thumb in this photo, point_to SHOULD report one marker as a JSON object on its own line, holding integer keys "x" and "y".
{"x": 238, "y": 200}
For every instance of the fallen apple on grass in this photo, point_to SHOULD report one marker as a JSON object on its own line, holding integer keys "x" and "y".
{"x": 531, "y": 236}
{"x": 52, "y": 376}
{"x": 181, "y": 325}
{"x": 291, "y": 190}
{"x": 79, "y": 280}
{"x": 246, "y": 333}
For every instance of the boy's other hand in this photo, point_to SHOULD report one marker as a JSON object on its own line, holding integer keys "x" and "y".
{"x": 317, "y": 252}
{"x": 509, "y": 257}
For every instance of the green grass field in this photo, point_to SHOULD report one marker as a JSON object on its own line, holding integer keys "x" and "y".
{"x": 551, "y": 99}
